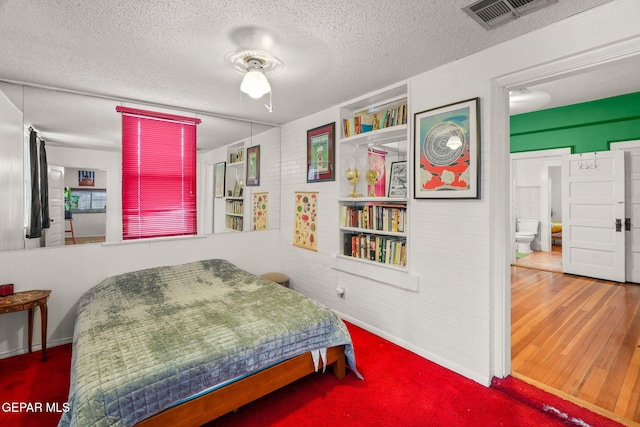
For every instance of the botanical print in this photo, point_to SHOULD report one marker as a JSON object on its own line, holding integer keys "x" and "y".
{"x": 306, "y": 214}
{"x": 260, "y": 211}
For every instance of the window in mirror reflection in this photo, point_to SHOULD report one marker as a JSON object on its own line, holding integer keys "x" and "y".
{"x": 89, "y": 200}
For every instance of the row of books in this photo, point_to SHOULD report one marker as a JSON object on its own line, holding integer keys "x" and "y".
{"x": 236, "y": 157}
{"x": 380, "y": 217}
{"x": 234, "y": 223}
{"x": 384, "y": 249}
{"x": 235, "y": 207}
{"x": 374, "y": 119}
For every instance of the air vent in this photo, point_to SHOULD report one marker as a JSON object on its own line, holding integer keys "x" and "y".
{"x": 492, "y": 13}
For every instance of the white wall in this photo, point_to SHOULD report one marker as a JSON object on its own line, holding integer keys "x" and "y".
{"x": 459, "y": 317}
{"x": 71, "y": 270}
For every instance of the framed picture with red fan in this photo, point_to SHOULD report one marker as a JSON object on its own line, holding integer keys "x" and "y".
{"x": 447, "y": 152}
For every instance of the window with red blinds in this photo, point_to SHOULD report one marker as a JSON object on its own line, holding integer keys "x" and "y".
{"x": 158, "y": 174}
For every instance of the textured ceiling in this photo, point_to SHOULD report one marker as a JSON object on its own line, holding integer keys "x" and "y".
{"x": 173, "y": 52}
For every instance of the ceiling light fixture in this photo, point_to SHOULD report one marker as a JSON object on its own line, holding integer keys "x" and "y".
{"x": 255, "y": 83}
{"x": 525, "y": 100}
{"x": 255, "y": 65}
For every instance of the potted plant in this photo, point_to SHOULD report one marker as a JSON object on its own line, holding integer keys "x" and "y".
{"x": 70, "y": 201}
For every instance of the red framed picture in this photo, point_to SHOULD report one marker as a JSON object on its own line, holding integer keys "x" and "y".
{"x": 321, "y": 153}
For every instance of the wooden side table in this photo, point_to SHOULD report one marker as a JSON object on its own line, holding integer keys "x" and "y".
{"x": 29, "y": 300}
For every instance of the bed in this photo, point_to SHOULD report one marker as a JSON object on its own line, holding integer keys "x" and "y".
{"x": 184, "y": 344}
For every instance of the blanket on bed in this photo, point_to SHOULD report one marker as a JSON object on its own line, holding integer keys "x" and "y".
{"x": 148, "y": 339}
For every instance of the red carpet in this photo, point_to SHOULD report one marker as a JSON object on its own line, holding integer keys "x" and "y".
{"x": 26, "y": 379}
{"x": 400, "y": 389}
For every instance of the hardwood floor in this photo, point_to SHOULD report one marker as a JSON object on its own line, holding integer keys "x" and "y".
{"x": 578, "y": 336}
{"x": 551, "y": 261}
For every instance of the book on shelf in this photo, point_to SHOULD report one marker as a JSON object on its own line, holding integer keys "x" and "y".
{"x": 236, "y": 157}
{"x": 382, "y": 249}
{"x": 380, "y": 117}
{"x": 377, "y": 217}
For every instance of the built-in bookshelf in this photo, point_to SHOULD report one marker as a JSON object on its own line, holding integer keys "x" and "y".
{"x": 373, "y": 228}
{"x": 374, "y": 231}
{"x": 234, "y": 191}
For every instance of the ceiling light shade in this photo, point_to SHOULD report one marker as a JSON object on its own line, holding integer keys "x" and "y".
{"x": 255, "y": 84}
{"x": 525, "y": 100}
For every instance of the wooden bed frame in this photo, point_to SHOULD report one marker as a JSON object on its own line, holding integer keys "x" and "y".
{"x": 212, "y": 405}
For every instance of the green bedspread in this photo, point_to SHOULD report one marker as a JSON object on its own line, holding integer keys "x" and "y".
{"x": 148, "y": 339}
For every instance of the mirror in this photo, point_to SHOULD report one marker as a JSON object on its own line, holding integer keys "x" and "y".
{"x": 83, "y": 133}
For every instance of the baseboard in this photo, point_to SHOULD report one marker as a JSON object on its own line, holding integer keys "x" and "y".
{"x": 35, "y": 347}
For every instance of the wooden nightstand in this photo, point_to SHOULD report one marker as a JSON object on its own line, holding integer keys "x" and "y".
{"x": 29, "y": 300}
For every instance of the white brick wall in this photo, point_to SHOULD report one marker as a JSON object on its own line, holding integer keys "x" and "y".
{"x": 457, "y": 247}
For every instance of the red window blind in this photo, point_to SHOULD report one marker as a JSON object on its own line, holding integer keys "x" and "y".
{"x": 158, "y": 174}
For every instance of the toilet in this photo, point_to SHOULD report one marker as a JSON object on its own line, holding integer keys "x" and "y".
{"x": 526, "y": 231}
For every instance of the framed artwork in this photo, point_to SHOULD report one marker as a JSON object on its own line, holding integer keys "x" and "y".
{"x": 305, "y": 227}
{"x": 220, "y": 172}
{"x": 253, "y": 166}
{"x": 86, "y": 178}
{"x": 447, "y": 151}
{"x": 398, "y": 180}
{"x": 376, "y": 166}
{"x": 260, "y": 211}
{"x": 320, "y": 153}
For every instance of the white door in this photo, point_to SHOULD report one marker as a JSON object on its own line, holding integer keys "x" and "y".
{"x": 632, "y": 206}
{"x": 593, "y": 237}
{"x": 55, "y": 234}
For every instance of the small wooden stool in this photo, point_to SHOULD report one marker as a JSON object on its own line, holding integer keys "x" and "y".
{"x": 279, "y": 278}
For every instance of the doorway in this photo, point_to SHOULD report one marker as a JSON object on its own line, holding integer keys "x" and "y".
{"x": 595, "y": 59}
{"x": 536, "y": 193}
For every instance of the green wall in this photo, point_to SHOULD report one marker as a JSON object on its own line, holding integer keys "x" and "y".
{"x": 585, "y": 127}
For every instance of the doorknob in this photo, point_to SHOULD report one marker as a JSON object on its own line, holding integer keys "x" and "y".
{"x": 618, "y": 225}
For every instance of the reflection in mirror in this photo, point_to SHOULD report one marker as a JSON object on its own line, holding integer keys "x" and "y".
{"x": 83, "y": 133}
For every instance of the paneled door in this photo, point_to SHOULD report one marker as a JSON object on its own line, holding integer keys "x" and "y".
{"x": 55, "y": 234}
{"x": 593, "y": 213}
{"x": 632, "y": 206}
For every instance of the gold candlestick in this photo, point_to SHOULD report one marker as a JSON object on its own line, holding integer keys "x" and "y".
{"x": 372, "y": 178}
{"x": 353, "y": 175}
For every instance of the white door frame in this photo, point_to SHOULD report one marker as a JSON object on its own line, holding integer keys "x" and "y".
{"x": 631, "y": 176}
{"x": 500, "y": 182}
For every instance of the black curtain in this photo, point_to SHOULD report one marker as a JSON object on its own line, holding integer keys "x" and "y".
{"x": 44, "y": 186}
{"x": 35, "y": 220}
